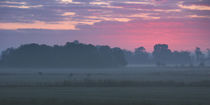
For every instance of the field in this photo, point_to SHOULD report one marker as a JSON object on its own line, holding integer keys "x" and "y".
{"x": 116, "y": 86}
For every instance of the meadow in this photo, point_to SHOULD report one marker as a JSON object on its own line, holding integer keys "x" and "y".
{"x": 110, "y": 86}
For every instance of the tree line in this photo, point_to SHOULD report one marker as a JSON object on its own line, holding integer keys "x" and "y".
{"x": 72, "y": 54}
{"x": 79, "y": 55}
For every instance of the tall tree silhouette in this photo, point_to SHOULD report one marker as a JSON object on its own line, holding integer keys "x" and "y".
{"x": 208, "y": 51}
{"x": 199, "y": 54}
{"x": 141, "y": 55}
{"x": 161, "y": 53}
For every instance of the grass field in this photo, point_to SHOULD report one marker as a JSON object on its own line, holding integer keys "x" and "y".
{"x": 16, "y": 86}
{"x": 105, "y": 96}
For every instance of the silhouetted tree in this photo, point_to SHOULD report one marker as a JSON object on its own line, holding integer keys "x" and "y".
{"x": 141, "y": 55}
{"x": 118, "y": 56}
{"x": 141, "y": 52}
{"x": 208, "y": 51}
{"x": 161, "y": 53}
{"x": 199, "y": 54}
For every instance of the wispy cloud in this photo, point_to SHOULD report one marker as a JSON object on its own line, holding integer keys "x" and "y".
{"x": 13, "y": 4}
{"x": 193, "y": 6}
{"x": 197, "y": 16}
{"x": 145, "y": 16}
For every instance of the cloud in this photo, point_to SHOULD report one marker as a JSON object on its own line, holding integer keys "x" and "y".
{"x": 13, "y": 4}
{"x": 193, "y": 6}
{"x": 68, "y": 14}
{"x": 89, "y": 12}
{"x": 197, "y": 16}
{"x": 145, "y": 16}
{"x": 101, "y": 18}
{"x": 123, "y": 23}
{"x": 197, "y": 2}
{"x": 138, "y": 2}
{"x": 100, "y": 3}
{"x": 68, "y": 2}
{"x": 39, "y": 25}
{"x": 167, "y": 10}
{"x": 22, "y": 6}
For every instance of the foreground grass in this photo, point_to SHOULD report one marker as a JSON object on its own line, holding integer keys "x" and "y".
{"x": 105, "y": 96}
{"x": 109, "y": 83}
{"x": 71, "y": 102}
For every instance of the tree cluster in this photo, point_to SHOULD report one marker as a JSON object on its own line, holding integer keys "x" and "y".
{"x": 139, "y": 56}
{"x": 161, "y": 55}
{"x": 73, "y": 55}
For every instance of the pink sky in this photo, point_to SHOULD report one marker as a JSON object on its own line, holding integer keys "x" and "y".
{"x": 182, "y": 24}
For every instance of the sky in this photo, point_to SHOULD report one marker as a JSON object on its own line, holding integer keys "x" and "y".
{"x": 128, "y": 24}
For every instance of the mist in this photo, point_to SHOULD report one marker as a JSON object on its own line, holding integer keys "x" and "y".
{"x": 86, "y": 74}
{"x": 104, "y": 52}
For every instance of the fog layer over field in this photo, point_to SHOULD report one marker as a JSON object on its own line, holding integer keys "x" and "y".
{"x": 113, "y": 86}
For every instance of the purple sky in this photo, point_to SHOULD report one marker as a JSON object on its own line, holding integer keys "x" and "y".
{"x": 183, "y": 24}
